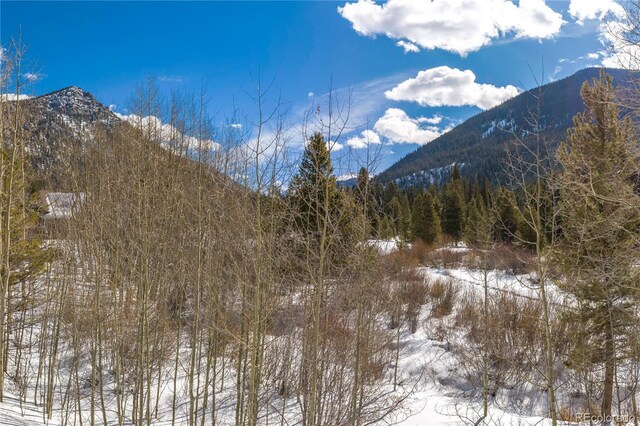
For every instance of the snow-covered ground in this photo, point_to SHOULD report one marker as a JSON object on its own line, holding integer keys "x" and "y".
{"x": 12, "y": 413}
{"x": 384, "y": 246}
{"x": 426, "y": 363}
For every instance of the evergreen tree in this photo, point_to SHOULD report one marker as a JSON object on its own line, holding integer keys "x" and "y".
{"x": 477, "y": 231}
{"x": 386, "y": 230}
{"x": 453, "y": 210}
{"x": 526, "y": 234}
{"x": 313, "y": 190}
{"x": 455, "y": 173}
{"x": 324, "y": 215}
{"x": 475, "y": 192}
{"x": 390, "y": 193}
{"x": 505, "y": 227}
{"x": 486, "y": 192}
{"x": 378, "y": 193}
{"x": 394, "y": 216}
{"x": 403, "y": 220}
{"x": 425, "y": 223}
{"x": 600, "y": 210}
{"x": 366, "y": 201}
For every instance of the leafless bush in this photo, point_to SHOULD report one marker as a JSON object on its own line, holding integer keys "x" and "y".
{"x": 420, "y": 251}
{"x": 513, "y": 260}
{"x": 443, "y": 295}
{"x": 413, "y": 294}
{"x": 446, "y": 258}
{"x": 408, "y": 288}
{"x": 513, "y": 340}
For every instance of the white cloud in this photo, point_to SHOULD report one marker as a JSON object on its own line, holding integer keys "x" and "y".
{"x": 334, "y": 146}
{"x": 619, "y": 54}
{"x": 167, "y": 134}
{"x": 588, "y": 57}
{"x": 614, "y": 29}
{"x": 444, "y": 86}
{"x": 614, "y": 35}
{"x": 583, "y": 10}
{"x": 32, "y": 77}
{"x": 235, "y": 126}
{"x": 556, "y": 71}
{"x": 366, "y": 138}
{"x": 459, "y": 26}
{"x": 362, "y": 101}
{"x": 398, "y": 127}
{"x": 408, "y": 46}
{"x": 436, "y": 119}
{"x": 13, "y": 97}
{"x": 170, "y": 79}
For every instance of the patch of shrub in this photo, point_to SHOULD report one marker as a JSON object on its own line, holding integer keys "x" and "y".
{"x": 446, "y": 258}
{"x": 420, "y": 251}
{"x": 443, "y": 296}
{"x": 513, "y": 260}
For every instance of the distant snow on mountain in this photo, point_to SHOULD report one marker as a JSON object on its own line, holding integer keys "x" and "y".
{"x": 504, "y": 124}
{"x": 482, "y": 141}
{"x": 427, "y": 177}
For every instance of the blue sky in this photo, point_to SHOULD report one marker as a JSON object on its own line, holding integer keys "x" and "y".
{"x": 108, "y": 48}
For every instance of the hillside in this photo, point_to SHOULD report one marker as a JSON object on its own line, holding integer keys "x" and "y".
{"x": 56, "y": 125}
{"x": 481, "y": 142}
{"x": 60, "y": 127}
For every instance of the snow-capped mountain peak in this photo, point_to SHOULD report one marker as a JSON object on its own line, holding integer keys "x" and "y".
{"x": 72, "y": 101}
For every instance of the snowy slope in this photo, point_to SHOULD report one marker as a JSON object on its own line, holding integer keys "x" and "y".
{"x": 426, "y": 365}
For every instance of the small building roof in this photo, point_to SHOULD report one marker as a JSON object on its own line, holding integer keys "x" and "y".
{"x": 61, "y": 205}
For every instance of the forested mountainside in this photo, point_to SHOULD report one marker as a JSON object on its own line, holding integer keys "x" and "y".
{"x": 480, "y": 144}
{"x": 62, "y": 128}
{"x": 56, "y": 125}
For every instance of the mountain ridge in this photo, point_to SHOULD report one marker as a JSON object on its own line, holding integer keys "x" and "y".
{"x": 481, "y": 141}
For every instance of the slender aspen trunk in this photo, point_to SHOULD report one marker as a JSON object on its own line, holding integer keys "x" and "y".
{"x": 609, "y": 370}
{"x": 175, "y": 376}
{"x": 6, "y": 226}
{"x": 485, "y": 348}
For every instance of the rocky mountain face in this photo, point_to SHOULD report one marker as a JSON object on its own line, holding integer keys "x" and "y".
{"x": 56, "y": 127}
{"x": 75, "y": 104}
{"x": 480, "y": 144}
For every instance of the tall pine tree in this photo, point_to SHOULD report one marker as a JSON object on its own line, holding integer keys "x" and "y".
{"x": 600, "y": 209}
{"x": 366, "y": 201}
{"x": 453, "y": 207}
{"x": 425, "y": 223}
{"x": 477, "y": 230}
{"x": 313, "y": 190}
